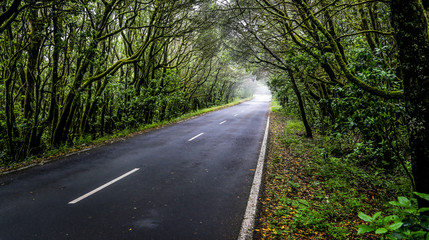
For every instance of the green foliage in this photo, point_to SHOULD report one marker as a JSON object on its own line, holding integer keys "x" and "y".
{"x": 283, "y": 94}
{"x": 380, "y": 122}
{"x": 314, "y": 192}
{"x": 328, "y": 187}
{"x": 275, "y": 106}
{"x": 406, "y": 222}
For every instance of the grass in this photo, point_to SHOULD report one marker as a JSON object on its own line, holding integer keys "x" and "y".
{"x": 294, "y": 127}
{"x": 313, "y": 189}
{"x": 85, "y": 142}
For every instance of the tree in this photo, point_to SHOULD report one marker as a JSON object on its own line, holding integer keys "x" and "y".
{"x": 411, "y": 33}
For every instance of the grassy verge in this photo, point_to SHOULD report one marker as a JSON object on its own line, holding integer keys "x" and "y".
{"x": 87, "y": 142}
{"x": 311, "y": 193}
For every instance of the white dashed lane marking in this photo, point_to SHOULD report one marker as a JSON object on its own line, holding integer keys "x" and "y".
{"x": 195, "y": 137}
{"x": 103, "y": 186}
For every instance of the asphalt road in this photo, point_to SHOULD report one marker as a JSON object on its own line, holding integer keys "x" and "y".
{"x": 190, "y": 180}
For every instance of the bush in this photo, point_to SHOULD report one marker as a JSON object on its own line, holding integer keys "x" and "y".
{"x": 406, "y": 222}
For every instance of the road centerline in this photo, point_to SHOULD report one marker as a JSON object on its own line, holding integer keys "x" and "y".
{"x": 103, "y": 186}
{"x": 195, "y": 137}
{"x": 222, "y": 122}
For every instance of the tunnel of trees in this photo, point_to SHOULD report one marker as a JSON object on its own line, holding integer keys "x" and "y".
{"x": 349, "y": 67}
{"x": 72, "y": 69}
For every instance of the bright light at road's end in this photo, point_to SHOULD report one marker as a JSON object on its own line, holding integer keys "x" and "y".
{"x": 262, "y": 93}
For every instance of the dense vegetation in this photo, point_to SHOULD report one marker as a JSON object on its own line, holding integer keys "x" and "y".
{"x": 324, "y": 188}
{"x": 352, "y": 70}
{"x": 73, "y": 70}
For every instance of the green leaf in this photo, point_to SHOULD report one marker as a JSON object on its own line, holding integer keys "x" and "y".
{"x": 425, "y": 209}
{"x": 365, "y": 217}
{"x": 395, "y": 203}
{"x": 404, "y": 202}
{"x": 364, "y": 229}
{"x": 395, "y": 226}
{"x": 390, "y": 218}
{"x": 411, "y": 210}
{"x": 418, "y": 234}
{"x": 423, "y": 195}
{"x": 376, "y": 215}
{"x": 381, "y": 231}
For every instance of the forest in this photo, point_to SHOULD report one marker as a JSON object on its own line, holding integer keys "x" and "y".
{"x": 350, "y": 69}
{"x": 74, "y": 70}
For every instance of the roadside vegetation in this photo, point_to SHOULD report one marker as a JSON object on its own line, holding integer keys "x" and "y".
{"x": 89, "y": 142}
{"x": 316, "y": 188}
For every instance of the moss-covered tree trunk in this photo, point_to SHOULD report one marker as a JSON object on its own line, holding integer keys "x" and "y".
{"x": 308, "y": 130}
{"x": 32, "y": 84}
{"x": 411, "y": 32}
{"x": 53, "y": 108}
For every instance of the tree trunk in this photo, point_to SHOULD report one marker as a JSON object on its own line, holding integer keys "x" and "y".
{"x": 308, "y": 130}
{"x": 9, "y": 117}
{"x": 53, "y": 108}
{"x": 32, "y": 85}
{"x": 411, "y": 33}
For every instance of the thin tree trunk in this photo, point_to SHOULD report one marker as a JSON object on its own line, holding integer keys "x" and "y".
{"x": 31, "y": 107}
{"x": 9, "y": 117}
{"x": 53, "y": 108}
{"x": 309, "y": 132}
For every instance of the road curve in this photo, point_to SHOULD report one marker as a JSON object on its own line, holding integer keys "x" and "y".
{"x": 189, "y": 180}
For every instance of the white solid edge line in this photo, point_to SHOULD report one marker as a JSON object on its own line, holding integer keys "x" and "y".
{"x": 246, "y": 232}
{"x": 222, "y": 122}
{"x": 103, "y": 186}
{"x": 195, "y": 137}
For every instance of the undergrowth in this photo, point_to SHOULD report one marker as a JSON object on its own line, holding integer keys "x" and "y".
{"x": 315, "y": 188}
